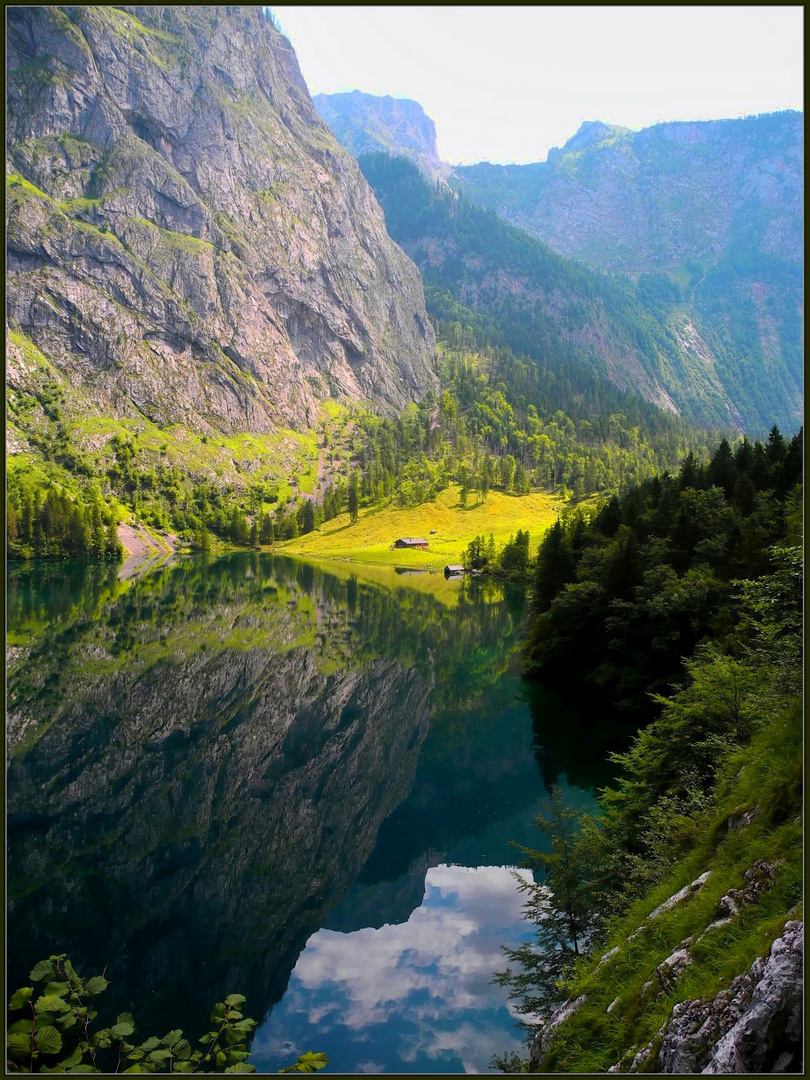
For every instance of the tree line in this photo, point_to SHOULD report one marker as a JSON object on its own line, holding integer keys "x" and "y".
{"x": 47, "y": 522}
{"x": 619, "y": 598}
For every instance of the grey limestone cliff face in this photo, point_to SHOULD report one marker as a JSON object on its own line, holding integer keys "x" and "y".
{"x": 642, "y": 201}
{"x": 754, "y": 1026}
{"x": 368, "y": 124}
{"x": 186, "y": 239}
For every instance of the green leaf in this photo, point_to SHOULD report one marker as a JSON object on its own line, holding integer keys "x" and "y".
{"x": 20, "y": 1025}
{"x": 48, "y": 1040}
{"x": 18, "y": 1045}
{"x": 308, "y": 1063}
{"x": 120, "y": 1029}
{"x": 241, "y": 1067}
{"x": 50, "y": 1003}
{"x": 134, "y": 1068}
{"x": 218, "y": 1012}
{"x": 58, "y": 988}
{"x": 171, "y": 1038}
{"x": 152, "y": 1043}
{"x": 43, "y": 970}
{"x": 20, "y": 997}
{"x": 70, "y": 971}
{"x": 82, "y": 1068}
{"x": 220, "y": 1059}
{"x": 182, "y": 1049}
{"x": 245, "y": 1025}
{"x": 159, "y": 1055}
{"x": 97, "y": 985}
{"x": 235, "y": 999}
{"x": 206, "y": 1039}
{"x": 70, "y": 1062}
{"x": 183, "y": 1066}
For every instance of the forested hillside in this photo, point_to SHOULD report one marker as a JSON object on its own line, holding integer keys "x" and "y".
{"x": 620, "y": 599}
{"x": 669, "y": 934}
{"x": 704, "y": 216}
{"x": 583, "y": 327}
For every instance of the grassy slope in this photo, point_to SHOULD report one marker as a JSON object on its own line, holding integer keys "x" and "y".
{"x": 765, "y": 778}
{"x": 370, "y": 538}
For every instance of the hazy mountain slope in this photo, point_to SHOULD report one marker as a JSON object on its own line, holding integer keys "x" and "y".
{"x": 644, "y": 201}
{"x": 717, "y": 206}
{"x": 368, "y": 124}
{"x": 541, "y": 305}
{"x": 712, "y": 209}
{"x": 186, "y": 240}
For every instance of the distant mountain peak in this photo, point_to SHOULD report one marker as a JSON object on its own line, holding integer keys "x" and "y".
{"x": 371, "y": 123}
{"x": 591, "y": 133}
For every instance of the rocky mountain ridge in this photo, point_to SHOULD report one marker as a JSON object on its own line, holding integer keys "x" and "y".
{"x": 643, "y": 201}
{"x": 186, "y": 240}
{"x": 704, "y": 218}
{"x": 369, "y": 124}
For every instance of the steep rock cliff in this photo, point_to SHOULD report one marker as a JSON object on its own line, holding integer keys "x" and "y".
{"x": 186, "y": 240}
{"x": 368, "y": 124}
{"x": 643, "y": 201}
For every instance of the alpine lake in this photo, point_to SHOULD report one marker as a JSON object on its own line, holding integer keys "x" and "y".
{"x": 299, "y": 782}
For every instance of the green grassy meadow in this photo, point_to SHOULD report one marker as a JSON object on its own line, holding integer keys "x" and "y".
{"x": 445, "y": 524}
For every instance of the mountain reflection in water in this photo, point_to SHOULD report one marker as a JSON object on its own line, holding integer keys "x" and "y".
{"x": 212, "y": 764}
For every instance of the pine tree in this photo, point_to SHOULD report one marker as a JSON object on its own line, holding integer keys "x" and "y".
{"x": 354, "y": 501}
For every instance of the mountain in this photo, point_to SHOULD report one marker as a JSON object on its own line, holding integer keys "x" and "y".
{"x": 590, "y": 327}
{"x": 646, "y": 201}
{"x": 186, "y": 240}
{"x": 706, "y": 216}
{"x": 368, "y": 124}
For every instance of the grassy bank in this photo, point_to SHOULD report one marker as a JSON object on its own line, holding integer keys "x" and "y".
{"x": 755, "y": 824}
{"x": 445, "y": 524}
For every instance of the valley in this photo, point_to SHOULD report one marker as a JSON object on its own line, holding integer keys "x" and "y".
{"x": 255, "y": 338}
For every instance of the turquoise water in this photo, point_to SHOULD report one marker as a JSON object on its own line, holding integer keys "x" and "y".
{"x": 298, "y": 783}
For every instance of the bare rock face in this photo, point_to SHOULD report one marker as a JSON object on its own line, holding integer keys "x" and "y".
{"x": 368, "y": 124}
{"x": 545, "y": 1036}
{"x": 641, "y": 201}
{"x": 186, "y": 240}
{"x": 754, "y": 1026}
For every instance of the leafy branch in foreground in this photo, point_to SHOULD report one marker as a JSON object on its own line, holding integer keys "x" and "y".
{"x": 55, "y": 1034}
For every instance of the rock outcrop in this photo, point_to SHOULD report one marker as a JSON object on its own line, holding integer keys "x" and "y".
{"x": 186, "y": 239}
{"x": 368, "y": 124}
{"x": 754, "y": 1026}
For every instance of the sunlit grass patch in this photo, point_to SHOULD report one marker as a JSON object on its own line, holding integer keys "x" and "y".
{"x": 445, "y": 524}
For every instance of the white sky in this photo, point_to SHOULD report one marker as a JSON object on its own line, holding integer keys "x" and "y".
{"x": 505, "y": 84}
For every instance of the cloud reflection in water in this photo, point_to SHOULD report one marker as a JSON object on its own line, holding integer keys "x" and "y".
{"x": 417, "y": 996}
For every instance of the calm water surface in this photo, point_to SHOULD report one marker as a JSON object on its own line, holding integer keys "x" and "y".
{"x": 297, "y": 783}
